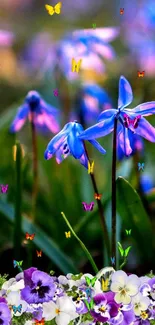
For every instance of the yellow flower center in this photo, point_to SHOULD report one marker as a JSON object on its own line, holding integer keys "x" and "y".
{"x": 102, "y": 308}
{"x": 57, "y": 311}
{"x": 144, "y": 315}
{"x": 37, "y": 288}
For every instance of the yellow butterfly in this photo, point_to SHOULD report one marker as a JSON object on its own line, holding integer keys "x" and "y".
{"x": 90, "y": 167}
{"x": 68, "y": 234}
{"x": 76, "y": 65}
{"x": 104, "y": 276}
{"x": 56, "y": 9}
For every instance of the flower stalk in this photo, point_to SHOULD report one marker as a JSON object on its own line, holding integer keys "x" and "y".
{"x": 113, "y": 216}
{"x": 100, "y": 209}
{"x": 35, "y": 167}
{"x": 82, "y": 244}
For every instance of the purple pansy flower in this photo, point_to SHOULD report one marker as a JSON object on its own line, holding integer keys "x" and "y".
{"x": 130, "y": 119}
{"x": 66, "y": 143}
{"x": 125, "y": 316}
{"x": 104, "y": 307}
{"x": 5, "y": 314}
{"x": 39, "y": 286}
{"x": 44, "y": 115}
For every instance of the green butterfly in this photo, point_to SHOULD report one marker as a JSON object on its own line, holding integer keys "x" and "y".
{"x": 128, "y": 232}
{"x": 123, "y": 252}
{"x": 90, "y": 282}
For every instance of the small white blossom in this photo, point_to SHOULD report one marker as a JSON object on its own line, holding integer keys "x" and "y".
{"x": 63, "y": 311}
{"x": 124, "y": 286}
{"x": 140, "y": 303}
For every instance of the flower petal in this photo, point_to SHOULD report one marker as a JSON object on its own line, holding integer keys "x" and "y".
{"x": 119, "y": 276}
{"x": 20, "y": 118}
{"x": 98, "y": 130}
{"x": 125, "y": 299}
{"x": 146, "y": 130}
{"x": 75, "y": 145}
{"x": 84, "y": 160}
{"x": 107, "y": 114}
{"x": 125, "y": 93}
{"x": 49, "y": 310}
{"x": 145, "y": 109}
{"x": 106, "y": 34}
{"x": 97, "y": 146}
{"x": 57, "y": 141}
{"x": 124, "y": 142}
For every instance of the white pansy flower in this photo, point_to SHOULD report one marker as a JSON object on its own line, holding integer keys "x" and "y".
{"x": 140, "y": 303}
{"x": 124, "y": 286}
{"x": 29, "y": 322}
{"x": 63, "y": 311}
{"x": 13, "y": 285}
{"x": 7, "y": 284}
{"x": 13, "y": 299}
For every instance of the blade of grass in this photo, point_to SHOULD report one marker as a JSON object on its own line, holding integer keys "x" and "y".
{"x": 18, "y": 202}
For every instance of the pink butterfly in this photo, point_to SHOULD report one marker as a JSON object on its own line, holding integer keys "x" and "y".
{"x": 128, "y": 121}
{"x": 4, "y": 188}
{"x": 88, "y": 207}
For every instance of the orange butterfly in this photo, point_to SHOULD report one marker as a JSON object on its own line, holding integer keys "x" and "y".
{"x": 39, "y": 254}
{"x": 141, "y": 74}
{"x": 121, "y": 11}
{"x": 97, "y": 196}
{"x": 40, "y": 322}
{"x": 28, "y": 236}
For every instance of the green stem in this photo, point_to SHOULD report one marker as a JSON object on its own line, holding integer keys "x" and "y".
{"x": 82, "y": 244}
{"x": 113, "y": 248}
{"x": 35, "y": 168}
{"x": 18, "y": 203}
{"x": 124, "y": 262}
{"x": 101, "y": 211}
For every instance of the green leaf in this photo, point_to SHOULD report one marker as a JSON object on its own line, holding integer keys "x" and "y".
{"x": 126, "y": 252}
{"x": 88, "y": 280}
{"x": 134, "y": 216}
{"x": 120, "y": 249}
{"x": 46, "y": 244}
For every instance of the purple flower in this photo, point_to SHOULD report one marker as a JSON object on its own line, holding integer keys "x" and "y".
{"x": 130, "y": 119}
{"x": 66, "y": 143}
{"x": 44, "y": 115}
{"x": 88, "y": 44}
{"x": 39, "y": 287}
{"x": 90, "y": 101}
{"x": 104, "y": 307}
{"x": 5, "y": 314}
{"x": 125, "y": 316}
{"x": 138, "y": 31}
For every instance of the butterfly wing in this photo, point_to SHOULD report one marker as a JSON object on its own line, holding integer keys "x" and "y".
{"x": 91, "y": 205}
{"x": 73, "y": 65}
{"x": 20, "y": 263}
{"x": 19, "y": 308}
{"x": 57, "y": 8}
{"x": 84, "y": 206}
{"x": 27, "y": 236}
{"x": 15, "y": 263}
{"x": 88, "y": 167}
{"x": 49, "y": 9}
{"x": 14, "y": 309}
{"x": 105, "y": 274}
{"x": 32, "y": 236}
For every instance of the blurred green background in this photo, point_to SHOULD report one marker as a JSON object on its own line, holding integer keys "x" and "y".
{"x": 64, "y": 187}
